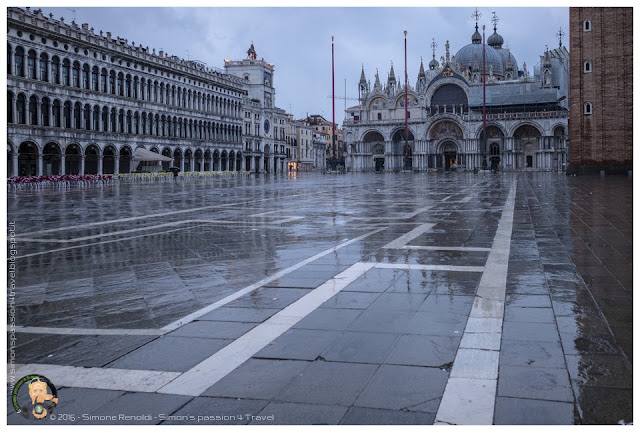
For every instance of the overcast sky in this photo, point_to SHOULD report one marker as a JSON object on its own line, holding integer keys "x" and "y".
{"x": 298, "y": 40}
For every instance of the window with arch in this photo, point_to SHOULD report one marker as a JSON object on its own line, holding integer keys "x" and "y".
{"x": 96, "y": 118}
{"x": 19, "y": 61}
{"x": 55, "y": 111}
{"x": 66, "y": 115}
{"x": 21, "y": 109}
{"x": 33, "y": 111}
{"x": 9, "y": 107}
{"x": 44, "y": 67}
{"x": 105, "y": 119}
{"x": 120, "y": 84}
{"x": 55, "y": 70}
{"x": 31, "y": 65}
{"x": 44, "y": 112}
{"x": 587, "y": 67}
{"x": 9, "y": 56}
{"x": 87, "y": 117}
{"x": 66, "y": 66}
{"x": 85, "y": 77}
{"x": 112, "y": 82}
{"x": 77, "y": 116}
{"x": 103, "y": 81}
{"x": 588, "y": 108}
{"x": 586, "y": 25}
{"x": 75, "y": 74}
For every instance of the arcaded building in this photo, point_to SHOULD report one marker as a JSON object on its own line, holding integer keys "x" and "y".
{"x": 526, "y": 115}
{"x": 80, "y": 101}
{"x": 601, "y": 95}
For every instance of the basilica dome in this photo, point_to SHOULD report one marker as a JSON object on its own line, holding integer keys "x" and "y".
{"x": 471, "y": 54}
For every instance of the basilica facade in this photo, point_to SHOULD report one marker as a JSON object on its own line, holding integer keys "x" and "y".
{"x": 526, "y": 119}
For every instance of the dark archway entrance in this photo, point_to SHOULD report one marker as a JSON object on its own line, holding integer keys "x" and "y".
{"x": 109, "y": 160}
{"x": 72, "y": 157}
{"x": 450, "y": 154}
{"x": 51, "y": 159}
{"x": 27, "y": 159}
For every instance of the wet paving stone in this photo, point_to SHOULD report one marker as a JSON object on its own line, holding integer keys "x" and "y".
{"x": 406, "y": 388}
{"x": 170, "y": 353}
{"x": 328, "y": 383}
{"x": 517, "y": 411}
{"x": 360, "y": 347}
{"x": 216, "y": 411}
{"x": 299, "y": 344}
{"x": 258, "y": 379}
{"x": 370, "y": 416}
{"x": 300, "y": 414}
{"x": 568, "y": 308}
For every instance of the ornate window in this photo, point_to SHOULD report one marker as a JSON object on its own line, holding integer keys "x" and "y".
{"x": 33, "y": 111}
{"x": 55, "y": 70}
{"x": 31, "y": 65}
{"x": 44, "y": 67}
{"x": 19, "y": 61}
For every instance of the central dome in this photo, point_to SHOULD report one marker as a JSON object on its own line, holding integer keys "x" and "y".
{"x": 468, "y": 55}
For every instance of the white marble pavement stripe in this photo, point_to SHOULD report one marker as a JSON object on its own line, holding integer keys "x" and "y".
{"x": 90, "y": 331}
{"x": 448, "y": 248}
{"x": 197, "y": 314}
{"x": 208, "y": 372}
{"x": 433, "y": 267}
{"x": 99, "y": 243}
{"x": 98, "y": 378}
{"x": 406, "y": 238}
{"x": 469, "y": 396}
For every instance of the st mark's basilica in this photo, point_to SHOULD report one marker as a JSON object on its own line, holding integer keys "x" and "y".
{"x": 526, "y": 116}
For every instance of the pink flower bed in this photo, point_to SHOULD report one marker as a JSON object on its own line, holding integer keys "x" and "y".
{"x": 59, "y": 178}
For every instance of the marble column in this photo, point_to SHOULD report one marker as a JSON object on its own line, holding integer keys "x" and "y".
{"x": 62, "y": 164}
{"x": 100, "y": 161}
{"x": 82, "y": 164}
{"x": 14, "y": 164}
{"x": 116, "y": 164}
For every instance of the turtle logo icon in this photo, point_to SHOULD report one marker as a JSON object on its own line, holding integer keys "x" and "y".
{"x": 42, "y": 397}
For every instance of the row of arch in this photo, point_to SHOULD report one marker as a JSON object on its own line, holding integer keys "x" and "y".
{"x": 92, "y": 159}
{"x": 53, "y": 69}
{"x": 43, "y": 111}
{"x": 521, "y": 130}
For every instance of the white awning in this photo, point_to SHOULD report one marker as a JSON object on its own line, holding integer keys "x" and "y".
{"x": 144, "y": 155}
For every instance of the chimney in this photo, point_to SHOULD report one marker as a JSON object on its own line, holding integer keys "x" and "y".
{"x": 85, "y": 26}
{"x": 108, "y": 35}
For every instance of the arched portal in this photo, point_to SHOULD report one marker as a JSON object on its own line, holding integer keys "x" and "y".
{"x": 51, "y": 159}
{"x": 187, "y": 160}
{"x": 232, "y": 160}
{"x": 177, "y": 158}
{"x": 109, "y": 160}
{"x": 378, "y": 157}
{"x": 216, "y": 160}
{"x": 224, "y": 160}
{"x": 72, "y": 159}
{"x": 167, "y": 153}
{"x": 207, "y": 160}
{"x": 198, "y": 160}
{"x": 125, "y": 159}
{"x": 450, "y": 155}
{"x": 27, "y": 159}
{"x": 91, "y": 155}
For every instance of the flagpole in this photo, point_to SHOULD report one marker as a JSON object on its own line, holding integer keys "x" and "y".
{"x": 406, "y": 104}
{"x": 484, "y": 106}
{"x": 333, "y": 102}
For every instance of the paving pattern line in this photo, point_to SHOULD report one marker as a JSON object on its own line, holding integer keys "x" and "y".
{"x": 90, "y": 331}
{"x": 99, "y": 243}
{"x": 211, "y": 370}
{"x": 469, "y": 396}
{"x": 132, "y": 380}
{"x": 197, "y": 314}
{"x": 431, "y": 267}
{"x": 406, "y": 238}
{"x": 448, "y": 248}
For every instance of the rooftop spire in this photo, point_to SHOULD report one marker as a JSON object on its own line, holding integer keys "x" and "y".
{"x": 251, "y": 52}
{"x": 560, "y": 34}
{"x": 362, "y": 77}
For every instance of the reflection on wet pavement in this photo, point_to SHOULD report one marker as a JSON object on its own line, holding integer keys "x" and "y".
{"x": 141, "y": 256}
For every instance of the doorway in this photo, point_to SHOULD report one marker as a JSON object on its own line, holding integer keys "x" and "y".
{"x": 450, "y": 154}
{"x": 379, "y": 164}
